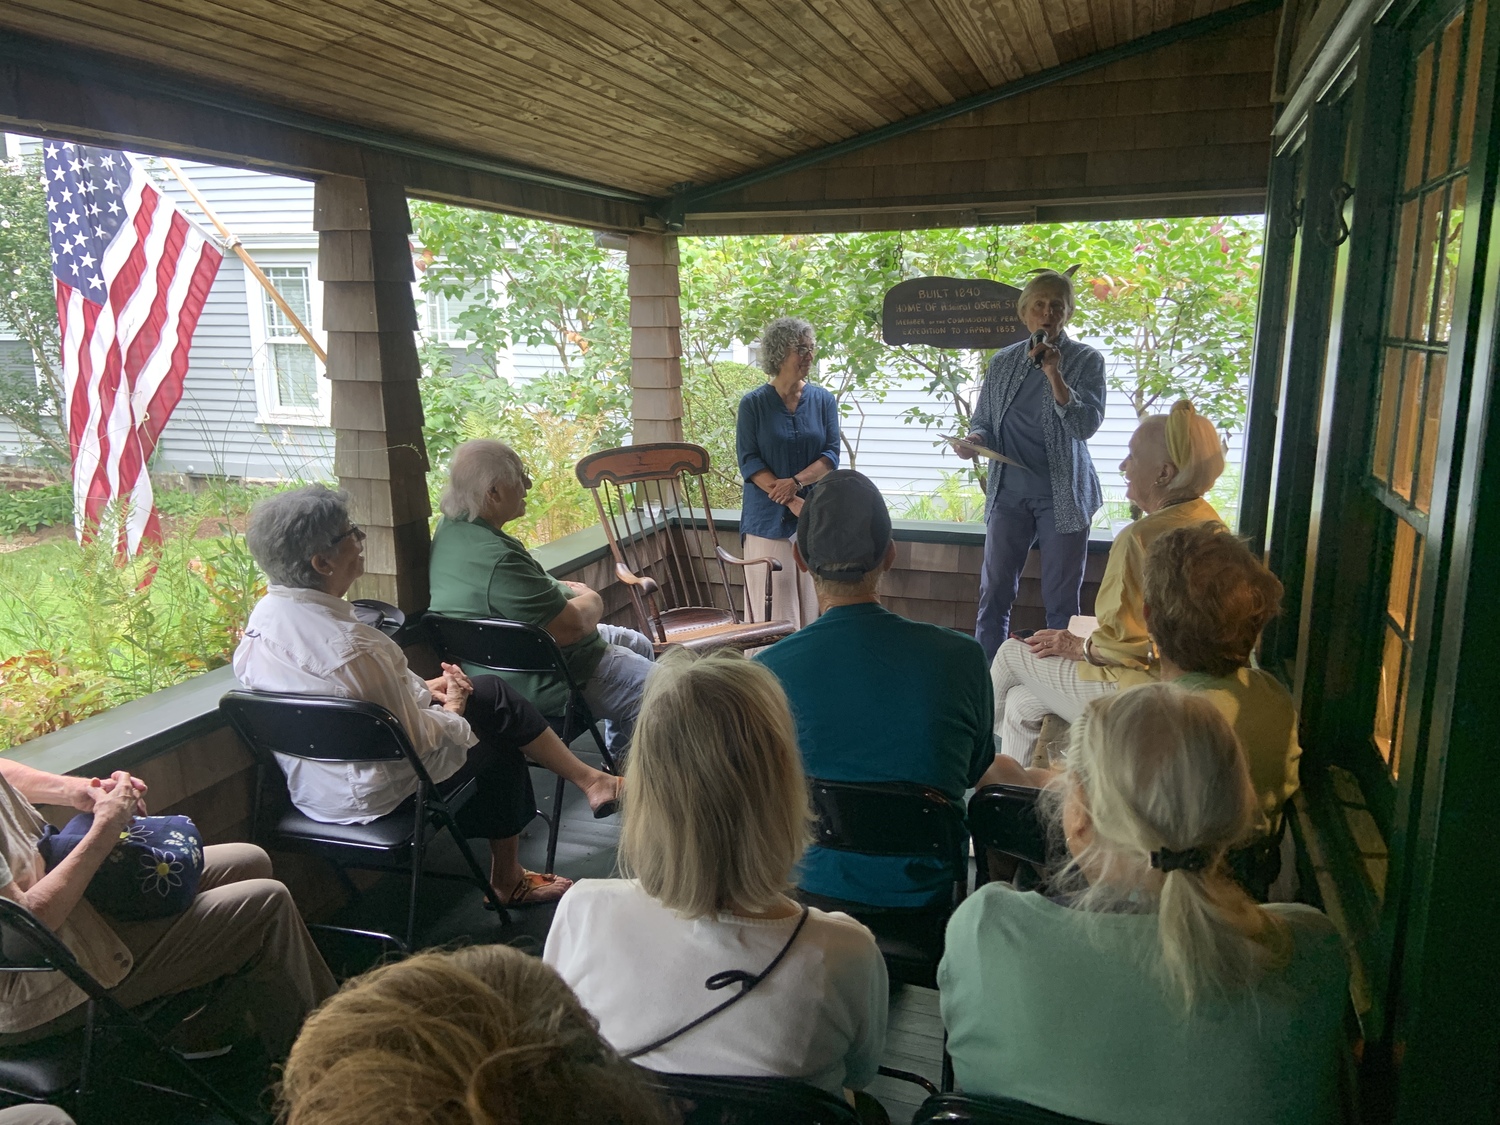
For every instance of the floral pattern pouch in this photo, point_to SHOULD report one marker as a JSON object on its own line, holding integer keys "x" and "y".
{"x": 152, "y": 872}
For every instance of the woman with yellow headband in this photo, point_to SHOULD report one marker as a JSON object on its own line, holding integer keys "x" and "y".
{"x": 1174, "y": 459}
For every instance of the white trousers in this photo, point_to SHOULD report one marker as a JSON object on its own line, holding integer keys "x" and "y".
{"x": 1028, "y": 688}
{"x": 793, "y": 597}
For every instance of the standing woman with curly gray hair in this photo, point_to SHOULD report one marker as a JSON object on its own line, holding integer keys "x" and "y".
{"x": 787, "y": 440}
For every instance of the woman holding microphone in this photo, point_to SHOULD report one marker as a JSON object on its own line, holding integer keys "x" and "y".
{"x": 1039, "y": 405}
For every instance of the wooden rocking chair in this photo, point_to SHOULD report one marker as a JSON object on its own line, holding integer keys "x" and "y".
{"x": 653, "y": 504}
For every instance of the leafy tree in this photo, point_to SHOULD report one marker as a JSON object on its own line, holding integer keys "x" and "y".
{"x": 543, "y": 285}
{"x": 32, "y": 395}
{"x": 1173, "y": 301}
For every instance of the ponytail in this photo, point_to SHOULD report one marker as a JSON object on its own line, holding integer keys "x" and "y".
{"x": 1167, "y": 792}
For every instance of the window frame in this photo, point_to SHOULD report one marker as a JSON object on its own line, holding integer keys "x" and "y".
{"x": 269, "y": 410}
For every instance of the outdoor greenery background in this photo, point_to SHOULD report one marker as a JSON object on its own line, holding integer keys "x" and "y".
{"x": 1172, "y": 300}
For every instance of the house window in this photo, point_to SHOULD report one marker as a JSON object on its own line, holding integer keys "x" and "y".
{"x": 1414, "y": 367}
{"x": 289, "y": 381}
{"x": 439, "y": 312}
{"x": 292, "y": 361}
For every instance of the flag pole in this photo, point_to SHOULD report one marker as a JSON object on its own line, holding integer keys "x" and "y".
{"x": 244, "y": 256}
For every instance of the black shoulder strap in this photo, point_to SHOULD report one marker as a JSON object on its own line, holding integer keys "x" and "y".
{"x": 746, "y": 981}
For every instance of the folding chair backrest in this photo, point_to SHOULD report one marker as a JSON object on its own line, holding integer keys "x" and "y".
{"x": 504, "y": 646}
{"x": 653, "y": 505}
{"x": 1005, "y": 818}
{"x": 318, "y": 728}
{"x": 967, "y": 1109}
{"x": 713, "y": 1100}
{"x": 27, "y": 946}
{"x": 888, "y": 818}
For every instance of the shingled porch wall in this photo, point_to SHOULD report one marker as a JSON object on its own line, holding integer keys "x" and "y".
{"x": 365, "y": 264}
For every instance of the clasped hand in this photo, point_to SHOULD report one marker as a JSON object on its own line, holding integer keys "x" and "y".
{"x": 1056, "y": 642}
{"x": 113, "y": 800}
{"x": 784, "y": 490}
{"x": 452, "y": 689}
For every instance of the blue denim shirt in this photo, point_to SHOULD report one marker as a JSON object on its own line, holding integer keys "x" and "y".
{"x": 770, "y": 437}
{"x": 1076, "y": 494}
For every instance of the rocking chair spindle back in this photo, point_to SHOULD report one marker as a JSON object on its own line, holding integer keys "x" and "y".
{"x": 653, "y": 506}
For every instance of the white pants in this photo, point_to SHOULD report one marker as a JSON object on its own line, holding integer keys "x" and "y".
{"x": 793, "y": 597}
{"x": 1028, "y": 688}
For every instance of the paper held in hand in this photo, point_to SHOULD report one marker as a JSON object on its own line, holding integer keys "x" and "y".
{"x": 958, "y": 442}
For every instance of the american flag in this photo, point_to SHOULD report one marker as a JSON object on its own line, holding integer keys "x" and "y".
{"x": 132, "y": 275}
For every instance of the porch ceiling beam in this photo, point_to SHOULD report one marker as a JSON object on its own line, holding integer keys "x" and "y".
{"x": 51, "y": 89}
{"x": 692, "y": 200}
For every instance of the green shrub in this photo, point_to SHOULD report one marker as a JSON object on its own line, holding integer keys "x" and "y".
{"x": 26, "y": 509}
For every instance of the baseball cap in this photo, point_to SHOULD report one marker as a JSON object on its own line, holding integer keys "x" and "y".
{"x": 844, "y": 528}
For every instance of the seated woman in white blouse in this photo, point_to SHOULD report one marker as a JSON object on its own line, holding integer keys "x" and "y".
{"x": 303, "y": 638}
{"x": 715, "y": 818}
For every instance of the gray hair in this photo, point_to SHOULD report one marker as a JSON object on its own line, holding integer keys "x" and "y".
{"x": 777, "y": 340}
{"x": 1159, "y": 768}
{"x": 1051, "y": 280}
{"x": 477, "y": 467}
{"x": 288, "y": 529}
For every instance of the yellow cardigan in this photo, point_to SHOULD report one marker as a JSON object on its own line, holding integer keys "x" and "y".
{"x": 1121, "y": 636}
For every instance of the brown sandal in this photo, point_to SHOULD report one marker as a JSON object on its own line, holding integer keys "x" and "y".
{"x": 536, "y": 889}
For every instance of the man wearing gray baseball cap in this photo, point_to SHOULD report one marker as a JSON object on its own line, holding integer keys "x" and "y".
{"x": 876, "y": 697}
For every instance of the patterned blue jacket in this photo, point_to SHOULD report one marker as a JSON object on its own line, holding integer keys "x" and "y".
{"x": 1076, "y": 495}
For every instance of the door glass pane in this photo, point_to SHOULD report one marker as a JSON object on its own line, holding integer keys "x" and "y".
{"x": 1444, "y": 96}
{"x": 1406, "y": 425}
{"x": 1448, "y": 266}
{"x": 1390, "y": 687}
{"x": 1432, "y": 416}
{"x": 1416, "y": 144}
{"x": 1428, "y": 248}
{"x": 1406, "y": 254}
{"x": 1402, "y": 562}
{"x": 1390, "y": 395}
{"x": 1471, "y": 87}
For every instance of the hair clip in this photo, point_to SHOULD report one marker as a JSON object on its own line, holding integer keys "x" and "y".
{"x": 1189, "y": 859}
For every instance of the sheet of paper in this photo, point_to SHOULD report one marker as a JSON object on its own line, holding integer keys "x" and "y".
{"x": 983, "y": 452}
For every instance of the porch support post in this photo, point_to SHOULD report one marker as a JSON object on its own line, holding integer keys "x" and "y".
{"x": 364, "y": 262}
{"x": 655, "y": 338}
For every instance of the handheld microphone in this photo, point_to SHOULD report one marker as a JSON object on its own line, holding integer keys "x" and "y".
{"x": 1037, "y": 338}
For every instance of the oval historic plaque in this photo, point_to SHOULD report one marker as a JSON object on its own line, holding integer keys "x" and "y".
{"x": 952, "y": 312}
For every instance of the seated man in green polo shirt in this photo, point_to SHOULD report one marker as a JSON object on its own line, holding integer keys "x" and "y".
{"x": 877, "y": 697}
{"x": 480, "y": 571}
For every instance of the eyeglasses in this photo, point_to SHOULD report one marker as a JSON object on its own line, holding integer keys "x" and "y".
{"x": 807, "y": 351}
{"x": 354, "y": 530}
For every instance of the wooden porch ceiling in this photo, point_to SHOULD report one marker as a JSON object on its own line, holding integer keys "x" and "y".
{"x": 636, "y": 97}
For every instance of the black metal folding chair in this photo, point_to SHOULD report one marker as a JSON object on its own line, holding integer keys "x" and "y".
{"x": 967, "y": 1109}
{"x": 895, "y": 819}
{"x": 1004, "y": 819}
{"x": 327, "y": 729}
{"x": 61, "y": 1069}
{"x": 515, "y": 646}
{"x": 705, "y": 1099}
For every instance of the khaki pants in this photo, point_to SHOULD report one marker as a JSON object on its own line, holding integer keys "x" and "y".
{"x": 243, "y": 930}
{"x": 793, "y": 597}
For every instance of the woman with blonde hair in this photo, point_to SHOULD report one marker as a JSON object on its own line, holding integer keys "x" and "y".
{"x": 699, "y": 962}
{"x": 1173, "y": 460}
{"x": 1149, "y": 988}
{"x": 1041, "y": 401}
{"x": 479, "y": 1036}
